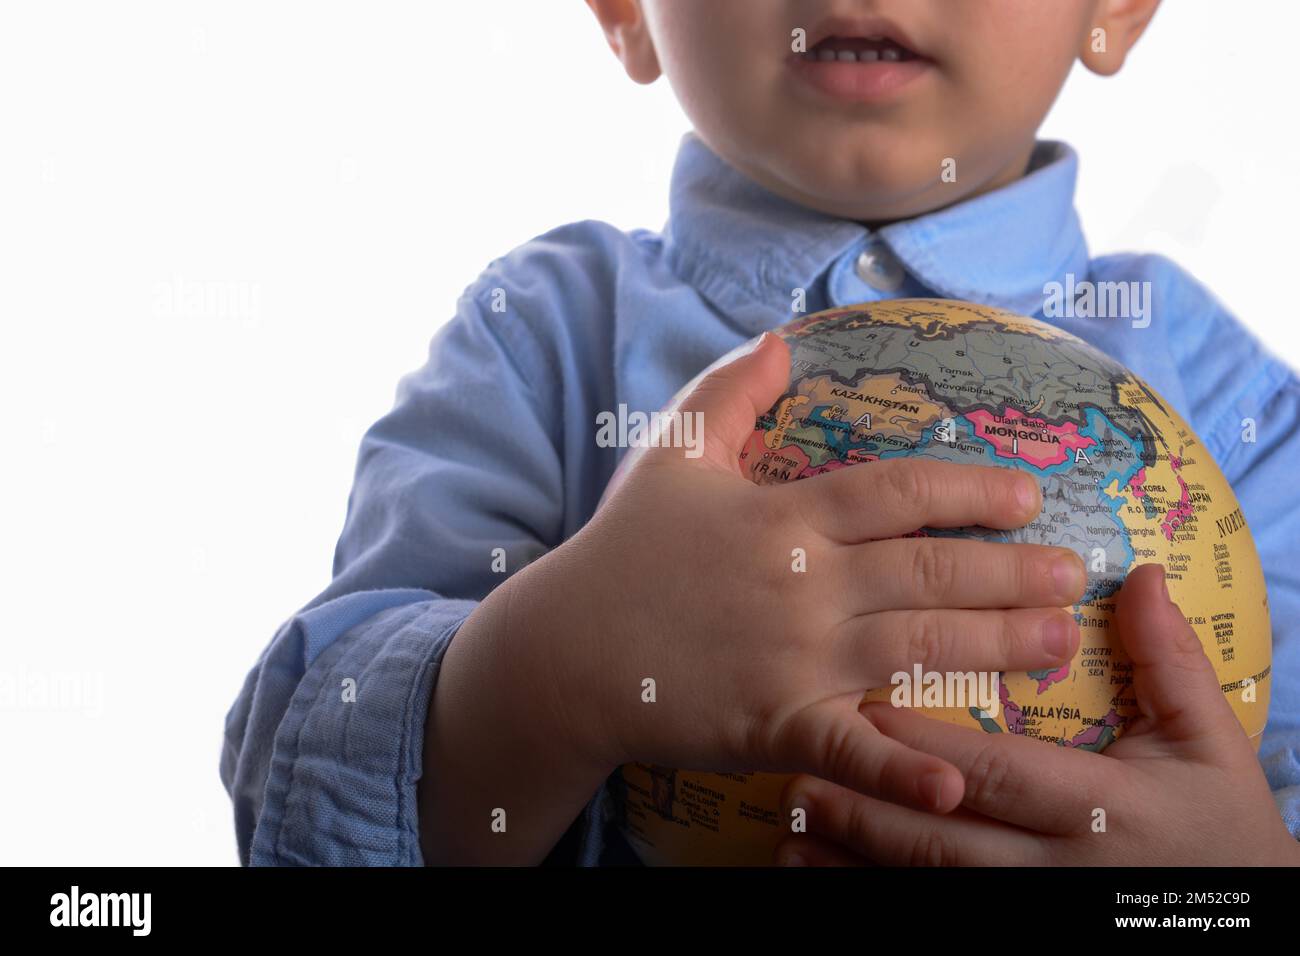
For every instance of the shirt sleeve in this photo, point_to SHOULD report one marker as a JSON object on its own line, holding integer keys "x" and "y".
{"x": 1258, "y": 446}
{"x": 458, "y": 486}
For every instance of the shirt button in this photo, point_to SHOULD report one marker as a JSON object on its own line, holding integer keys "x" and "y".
{"x": 880, "y": 268}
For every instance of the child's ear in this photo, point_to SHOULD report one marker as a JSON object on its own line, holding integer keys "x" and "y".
{"x": 628, "y": 36}
{"x": 1116, "y": 26}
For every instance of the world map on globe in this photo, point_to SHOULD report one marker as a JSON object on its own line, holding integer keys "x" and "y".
{"x": 1125, "y": 481}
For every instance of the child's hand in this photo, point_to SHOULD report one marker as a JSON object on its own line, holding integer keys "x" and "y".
{"x": 687, "y": 577}
{"x": 1182, "y": 786}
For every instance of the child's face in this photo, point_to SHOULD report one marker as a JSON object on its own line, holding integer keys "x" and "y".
{"x": 871, "y": 139}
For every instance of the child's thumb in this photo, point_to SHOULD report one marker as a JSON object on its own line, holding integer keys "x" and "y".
{"x": 732, "y": 395}
{"x": 1177, "y": 690}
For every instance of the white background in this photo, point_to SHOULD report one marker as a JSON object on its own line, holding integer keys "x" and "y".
{"x": 175, "y": 471}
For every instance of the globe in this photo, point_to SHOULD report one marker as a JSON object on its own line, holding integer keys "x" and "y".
{"x": 1125, "y": 481}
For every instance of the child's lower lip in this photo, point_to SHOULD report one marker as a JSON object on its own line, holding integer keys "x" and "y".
{"x": 858, "y": 82}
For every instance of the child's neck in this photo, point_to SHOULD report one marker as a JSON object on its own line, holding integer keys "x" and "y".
{"x": 1016, "y": 168}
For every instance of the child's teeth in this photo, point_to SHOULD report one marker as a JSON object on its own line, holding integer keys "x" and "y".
{"x": 885, "y": 50}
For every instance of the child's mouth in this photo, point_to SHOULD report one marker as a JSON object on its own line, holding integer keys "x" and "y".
{"x": 870, "y": 67}
{"x": 858, "y": 50}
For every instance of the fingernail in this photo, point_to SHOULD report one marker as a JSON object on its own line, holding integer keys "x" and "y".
{"x": 793, "y": 859}
{"x": 1067, "y": 572}
{"x": 1164, "y": 585}
{"x": 930, "y": 789}
{"x": 1027, "y": 495}
{"x": 1057, "y": 636}
{"x": 797, "y": 802}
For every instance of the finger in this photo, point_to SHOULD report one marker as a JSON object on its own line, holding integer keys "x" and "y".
{"x": 808, "y": 850}
{"x": 867, "y": 651}
{"x": 1176, "y": 688}
{"x": 832, "y": 740}
{"x": 934, "y": 572}
{"x": 883, "y": 499}
{"x": 730, "y": 398}
{"x": 1008, "y": 777}
{"x": 896, "y": 836}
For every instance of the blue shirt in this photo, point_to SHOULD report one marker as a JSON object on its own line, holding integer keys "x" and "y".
{"x": 491, "y": 444}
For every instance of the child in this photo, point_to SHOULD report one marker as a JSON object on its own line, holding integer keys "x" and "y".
{"x": 473, "y": 674}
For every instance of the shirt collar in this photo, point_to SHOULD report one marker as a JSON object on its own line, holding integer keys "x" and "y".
{"x": 746, "y": 249}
